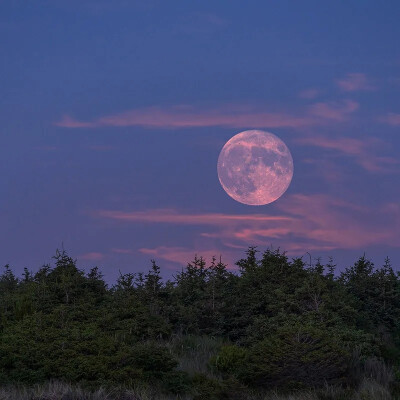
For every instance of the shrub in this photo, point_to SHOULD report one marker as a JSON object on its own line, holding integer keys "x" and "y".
{"x": 153, "y": 358}
{"x": 176, "y": 382}
{"x": 229, "y": 359}
{"x": 295, "y": 357}
{"x": 206, "y": 388}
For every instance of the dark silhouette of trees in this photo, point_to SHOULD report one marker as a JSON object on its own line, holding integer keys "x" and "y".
{"x": 283, "y": 323}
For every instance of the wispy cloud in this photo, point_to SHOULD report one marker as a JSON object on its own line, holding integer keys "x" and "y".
{"x": 336, "y": 111}
{"x": 171, "y": 216}
{"x": 190, "y": 117}
{"x": 328, "y": 223}
{"x": 327, "y": 168}
{"x": 182, "y": 255}
{"x": 319, "y": 222}
{"x": 233, "y": 116}
{"x": 354, "y": 82}
{"x": 344, "y": 145}
{"x": 69, "y": 122}
{"x": 305, "y": 222}
{"x": 361, "y": 151}
{"x": 391, "y": 119}
{"x": 311, "y": 93}
{"x": 92, "y": 256}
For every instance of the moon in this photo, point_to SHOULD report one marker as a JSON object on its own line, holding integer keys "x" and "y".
{"x": 255, "y": 167}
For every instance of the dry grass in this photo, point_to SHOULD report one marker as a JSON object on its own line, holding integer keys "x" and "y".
{"x": 63, "y": 391}
{"x": 372, "y": 390}
{"x": 194, "y": 352}
{"x": 369, "y": 390}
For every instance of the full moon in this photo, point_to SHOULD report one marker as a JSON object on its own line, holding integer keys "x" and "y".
{"x": 255, "y": 167}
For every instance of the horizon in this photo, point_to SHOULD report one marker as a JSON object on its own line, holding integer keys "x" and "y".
{"x": 169, "y": 274}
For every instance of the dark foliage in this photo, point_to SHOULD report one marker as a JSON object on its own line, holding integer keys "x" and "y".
{"x": 285, "y": 324}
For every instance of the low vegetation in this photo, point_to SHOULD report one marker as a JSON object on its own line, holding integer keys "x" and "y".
{"x": 276, "y": 329}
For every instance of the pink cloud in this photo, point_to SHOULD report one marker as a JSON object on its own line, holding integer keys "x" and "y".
{"x": 391, "y": 119}
{"x": 309, "y": 93}
{"x": 328, "y": 167}
{"x": 232, "y": 116}
{"x": 173, "y": 217}
{"x": 373, "y": 163}
{"x": 336, "y": 111}
{"x": 345, "y": 145}
{"x": 189, "y": 117}
{"x": 354, "y": 82}
{"x": 182, "y": 256}
{"x": 322, "y": 223}
{"x": 69, "y": 122}
{"x": 341, "y": 224}
{"x": 313, "y": 222}
{"x": 93, "y": 256}
{"x": 360, "y": 150}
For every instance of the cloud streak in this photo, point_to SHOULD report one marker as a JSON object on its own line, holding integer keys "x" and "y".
{"x": 354, "y": 82}
{"x": 335, "y": 111}
{"x": 305, "y": 222}
{"x": 308, "y": 94}
{"x": 232, "y": 116}
{"x": 391, "y": 119}
{"x": 182, "y": 255}
{"x": 173, "y": 217}
{"x": 93, "y": 256}
{"x": 359, "y": 150}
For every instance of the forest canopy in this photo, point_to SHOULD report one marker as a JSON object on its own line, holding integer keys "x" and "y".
{"x": 275, "y": 323}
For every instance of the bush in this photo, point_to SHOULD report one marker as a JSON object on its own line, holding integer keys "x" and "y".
{"x": 176, "y": 382}
{"x": 206, "y": 388}
{"x": 152, "y": 358}
{"x": 295, "y": 357}
{"x": 229, "y": 359}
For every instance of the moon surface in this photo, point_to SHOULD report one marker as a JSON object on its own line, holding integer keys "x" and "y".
{"x": 255, "y": 167}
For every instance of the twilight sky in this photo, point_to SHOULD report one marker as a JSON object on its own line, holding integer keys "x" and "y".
{"x": 113, "y": 114}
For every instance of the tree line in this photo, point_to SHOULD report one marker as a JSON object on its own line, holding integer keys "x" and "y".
{"x": 279, "y": 323}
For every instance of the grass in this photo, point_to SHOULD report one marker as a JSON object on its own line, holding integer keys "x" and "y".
{"x": 193, "y": 354}
{"x": 368, "y": 390}
{"x": 64, "y": 391}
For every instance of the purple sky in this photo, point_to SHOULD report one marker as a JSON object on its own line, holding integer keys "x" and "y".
{"x": 113, "y": 114}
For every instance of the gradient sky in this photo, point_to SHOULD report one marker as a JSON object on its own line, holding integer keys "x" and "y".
{"x": 113, "y": 114}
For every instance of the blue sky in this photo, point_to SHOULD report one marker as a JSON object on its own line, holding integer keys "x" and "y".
{"x": 112, "y": 116}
